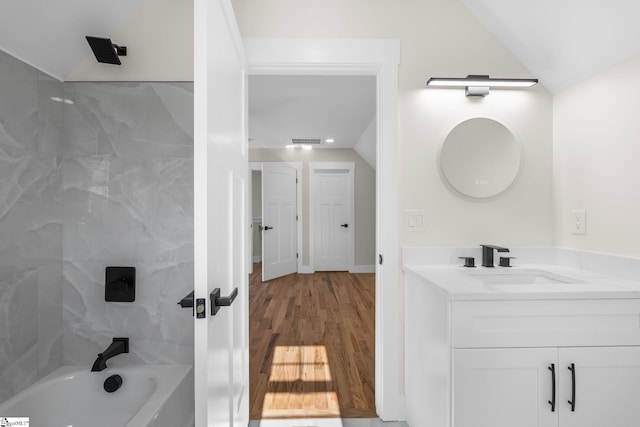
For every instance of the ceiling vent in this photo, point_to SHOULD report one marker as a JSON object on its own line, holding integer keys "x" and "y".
{"x": 306, "y": 141}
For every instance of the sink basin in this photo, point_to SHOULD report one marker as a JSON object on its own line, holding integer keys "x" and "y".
{"x": 521, "y": 277}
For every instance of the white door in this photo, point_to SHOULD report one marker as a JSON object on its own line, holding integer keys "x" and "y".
{"x": 505, "y": 387}
{"x": 604, "y": 387}
{"x": 220, "y": 194}
{"x": 332, "y": 218}
{"x": 279, "y": 237}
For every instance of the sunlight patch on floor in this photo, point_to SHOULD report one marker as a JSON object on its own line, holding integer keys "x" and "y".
{"x": 300, "y": 380}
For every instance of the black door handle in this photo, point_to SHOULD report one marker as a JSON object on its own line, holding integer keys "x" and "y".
{"x": 266, "y": 227}
{"x": 345, "y": 225}
{"x": 552, "y": 402}
{"x": 217, "y": 301}
{"x": 187, "y": 301}
{"x": 572, "y": 402}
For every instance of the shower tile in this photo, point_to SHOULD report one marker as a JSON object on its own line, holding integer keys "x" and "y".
{"x": 14, "y": 70}
{"x": 20, "y": 374}
{"x": 139, "y": 209}
{"x": 30, "y": 208}
{"x": 18, "y": 325}
{"x": 129, "y": 119}
{"x": 49, "y": 318}
{"x": 19, "y": 113}
{"x": 30, "y": 223}
{"x": 159, "y": 330}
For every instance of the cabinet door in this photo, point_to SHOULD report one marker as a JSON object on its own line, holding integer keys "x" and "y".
{"x": 607, "y": 386}
{"x": 504, "y": 387}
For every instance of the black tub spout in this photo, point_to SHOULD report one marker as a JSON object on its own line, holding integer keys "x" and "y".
{"x": 118, "y": 346}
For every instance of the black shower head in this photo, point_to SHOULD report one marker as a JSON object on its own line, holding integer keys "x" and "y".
{"x": 105, "y": 51}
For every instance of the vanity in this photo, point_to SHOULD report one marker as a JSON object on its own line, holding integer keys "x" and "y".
{"x": 544, "y": 344}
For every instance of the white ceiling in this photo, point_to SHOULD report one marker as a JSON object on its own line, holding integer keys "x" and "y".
{"x": 562, "y": 42}
{"x": 285, "y": 107}
{"x": 49, "y": 35}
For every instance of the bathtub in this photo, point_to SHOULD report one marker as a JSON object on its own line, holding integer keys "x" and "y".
{"x": 72, "y": 396}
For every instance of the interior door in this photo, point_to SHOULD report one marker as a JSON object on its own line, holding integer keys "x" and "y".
{"x": 332, "y": 223}
{"x": 604, "y": 386}
{"x": 505, "y": 387}
{"x": 220, "y": 194}
{"x": 279, "y": 237}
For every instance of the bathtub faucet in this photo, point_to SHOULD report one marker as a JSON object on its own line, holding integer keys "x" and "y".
{"x": 118, "y": 346}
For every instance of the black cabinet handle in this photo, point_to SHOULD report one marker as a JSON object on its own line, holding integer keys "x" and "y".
{"x": 572, "y": 402}
{"x": 217, "y": 301}
{"x": 552, "y": 402}
{"x": 345, "y": 225}
{"x": 266, "y": 227}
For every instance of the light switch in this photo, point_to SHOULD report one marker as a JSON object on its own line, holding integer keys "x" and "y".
{"x": 414, "y": 220}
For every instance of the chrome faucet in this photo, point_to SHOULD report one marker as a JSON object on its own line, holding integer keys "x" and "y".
{"x": 118, "y": 346}
{"x": 487, "y": 254}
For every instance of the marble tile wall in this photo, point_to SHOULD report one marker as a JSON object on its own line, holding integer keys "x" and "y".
{"x": 31, "y": 137}
{"x": 128, "y": 201}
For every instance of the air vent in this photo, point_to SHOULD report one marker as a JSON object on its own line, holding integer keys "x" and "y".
{"x": 306, "y": 141}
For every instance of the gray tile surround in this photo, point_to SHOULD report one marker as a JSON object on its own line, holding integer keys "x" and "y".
{"x": 128, "y": 201}
{"x": 30, "y": 225}
{"x": 105, "y": 181}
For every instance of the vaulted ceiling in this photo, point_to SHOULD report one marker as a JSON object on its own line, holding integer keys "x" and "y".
{"x": 560, "y": 41}
{"x": 563, "y": 41}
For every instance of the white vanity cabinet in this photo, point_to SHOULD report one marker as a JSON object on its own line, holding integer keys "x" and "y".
{"x": 474, "y": 361}
{"x": 515, "y": 387}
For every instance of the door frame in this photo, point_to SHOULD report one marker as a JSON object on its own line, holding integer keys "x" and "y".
{"x": 343, "y": 166}
{"x": 257, "y": 166}
{"x": 379, "y": 58}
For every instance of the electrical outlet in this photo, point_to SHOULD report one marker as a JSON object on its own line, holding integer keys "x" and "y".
{"x": 579, "y": 222}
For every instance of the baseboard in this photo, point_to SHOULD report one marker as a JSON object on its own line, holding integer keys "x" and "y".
{"x": 257, "y": 258}
{"x": 363, "y": 269}
{"x": 306, "y": 269}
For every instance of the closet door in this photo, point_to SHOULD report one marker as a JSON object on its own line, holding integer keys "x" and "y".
{"x": 605, "y": 387}
{"x": 505, "y": 387}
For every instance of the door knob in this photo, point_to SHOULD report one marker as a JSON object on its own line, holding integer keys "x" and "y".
{"x": 345, "y": 225}
{"x": 266, "y": 227}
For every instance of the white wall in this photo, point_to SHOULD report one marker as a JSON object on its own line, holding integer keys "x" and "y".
{"x": 365, "y": 195}
{"x": 366, "y": 144}
{"x": 438, "y": 38}
{"x": 597, "y": 160}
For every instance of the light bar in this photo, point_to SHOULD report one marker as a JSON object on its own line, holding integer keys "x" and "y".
{"x": 474, "y": 80}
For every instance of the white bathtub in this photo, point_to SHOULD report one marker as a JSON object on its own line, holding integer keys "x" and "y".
{"x": 72, "y": 396}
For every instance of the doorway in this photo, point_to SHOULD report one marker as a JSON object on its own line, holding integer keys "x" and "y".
{"x": 378, "y": 58}
{"x": 312, "y": 336}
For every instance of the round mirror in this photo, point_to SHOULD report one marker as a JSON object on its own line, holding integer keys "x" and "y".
{"x": 480, "y": 158}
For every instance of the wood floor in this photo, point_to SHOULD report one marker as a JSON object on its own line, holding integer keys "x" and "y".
{"x": 312, "y": 346}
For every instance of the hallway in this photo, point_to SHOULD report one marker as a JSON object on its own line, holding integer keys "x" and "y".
{"x": 312, "y": 346}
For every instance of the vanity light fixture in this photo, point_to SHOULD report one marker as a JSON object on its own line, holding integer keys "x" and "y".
{"x": 479, "y": 85}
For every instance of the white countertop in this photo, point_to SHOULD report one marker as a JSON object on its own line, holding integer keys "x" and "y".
{"x": 558, "y": 282}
